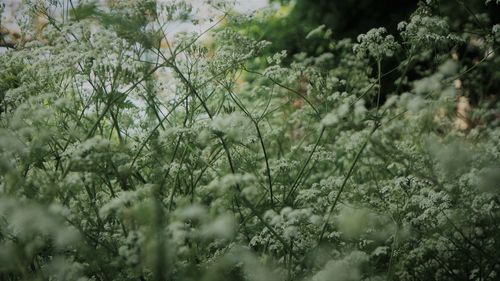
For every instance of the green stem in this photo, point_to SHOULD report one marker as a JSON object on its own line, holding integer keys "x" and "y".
{"x": 344, "y": 183}
{"x": 379, "y": 79}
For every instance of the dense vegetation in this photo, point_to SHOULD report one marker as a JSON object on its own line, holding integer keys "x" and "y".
{"x": 131, "y": 152}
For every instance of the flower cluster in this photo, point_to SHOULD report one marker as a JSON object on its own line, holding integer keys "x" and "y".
{"x": 376, "y": 44}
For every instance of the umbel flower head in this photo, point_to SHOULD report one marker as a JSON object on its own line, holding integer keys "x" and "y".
{"x": 376, "y": 44}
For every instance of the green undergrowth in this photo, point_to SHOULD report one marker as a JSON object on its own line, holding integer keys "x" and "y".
{"x": 128, "y": 152}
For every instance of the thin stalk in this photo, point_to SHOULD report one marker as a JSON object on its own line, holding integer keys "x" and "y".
{"x": 299, "y": 176}
{"x": 379, "y": 79}
{"x": 261, "y": 140}
{"x": 344, "y": 183}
